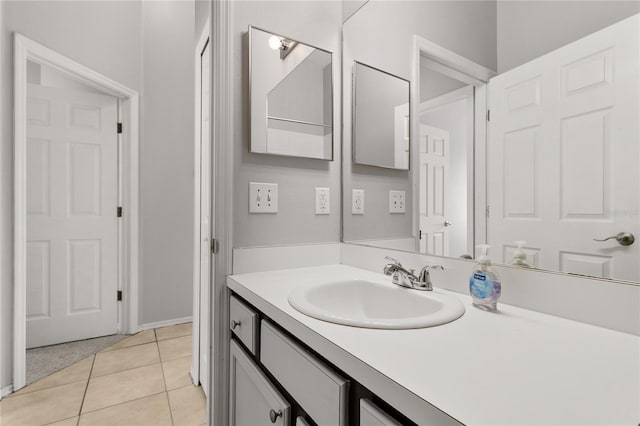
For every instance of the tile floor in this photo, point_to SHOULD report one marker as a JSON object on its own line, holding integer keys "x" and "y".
{"x": 141, "y": 380}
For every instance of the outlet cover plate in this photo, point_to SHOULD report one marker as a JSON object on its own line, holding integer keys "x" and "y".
{"x": 357, "y": 201}
{"x": 397, "y": 202}
{"x": 323, "y": 205}
{"x": 263, "y": 197}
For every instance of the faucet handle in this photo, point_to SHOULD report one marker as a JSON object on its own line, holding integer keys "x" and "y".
{"x": 424, "y": 279}
{"x": 393, "y": 260}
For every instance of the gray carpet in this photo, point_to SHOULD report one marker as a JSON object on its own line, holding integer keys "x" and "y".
{"x": 46, "y": 360}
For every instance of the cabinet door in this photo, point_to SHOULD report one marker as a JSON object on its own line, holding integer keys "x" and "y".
{"x": 253, "y": 400}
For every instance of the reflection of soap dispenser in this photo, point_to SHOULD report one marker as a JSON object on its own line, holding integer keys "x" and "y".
{"x": 484, "y": 285}
{"x": 519, "y": 256}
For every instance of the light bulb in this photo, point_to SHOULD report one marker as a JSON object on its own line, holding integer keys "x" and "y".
{"x": 275, "y": 42}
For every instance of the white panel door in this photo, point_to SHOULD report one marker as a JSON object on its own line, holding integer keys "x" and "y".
{"x": 72, "y": 229}
{"x": 206, "y": 211}
{"x": 433, "y": 187}
{"x": 563, "y": 156}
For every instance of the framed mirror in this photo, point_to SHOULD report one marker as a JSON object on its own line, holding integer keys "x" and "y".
{"x": 381, "y": 124}
{"x": 291, "y": 87}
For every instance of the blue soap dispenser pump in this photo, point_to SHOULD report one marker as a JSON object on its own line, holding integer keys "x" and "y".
{"x": 484, "y": 284}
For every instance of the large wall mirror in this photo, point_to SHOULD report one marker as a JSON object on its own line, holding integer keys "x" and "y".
{"x": 543, "y": 155}
{"x": 291, "y": 97}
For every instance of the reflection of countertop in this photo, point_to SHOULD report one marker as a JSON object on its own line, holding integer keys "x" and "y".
{"x": 513, "y": 367}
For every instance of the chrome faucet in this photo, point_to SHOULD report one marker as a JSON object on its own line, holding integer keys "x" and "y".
{"x": 407, "y": 278}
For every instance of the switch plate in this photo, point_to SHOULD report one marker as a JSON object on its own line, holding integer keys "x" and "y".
{"x": 263, "y": 197}
{"x": 322, "y": 201}
{"x": 397, "y": 202}
{"x": 357, "y": 201}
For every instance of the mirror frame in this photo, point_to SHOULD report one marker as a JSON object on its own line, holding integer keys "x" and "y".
{"x": 331, "y": 100}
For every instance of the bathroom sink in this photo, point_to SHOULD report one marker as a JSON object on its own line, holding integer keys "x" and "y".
{"x": 371, "y": 304}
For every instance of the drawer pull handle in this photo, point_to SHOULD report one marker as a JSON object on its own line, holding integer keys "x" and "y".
{"x": 235, "y": 324}
{"x": 273, "y": 415}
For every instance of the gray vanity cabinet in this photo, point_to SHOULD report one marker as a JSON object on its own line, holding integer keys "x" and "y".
{"x": 372, "y": 415}
{"x": 253, "y": 399}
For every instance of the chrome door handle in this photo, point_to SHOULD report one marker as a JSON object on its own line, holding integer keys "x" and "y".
{"x": 273, "y": 415}
{"x": 447, "y": 223}
{"x": 623, "y": 238}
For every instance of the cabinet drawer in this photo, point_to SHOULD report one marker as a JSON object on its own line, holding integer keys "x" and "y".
{"x": 253, "y": 400}
{"x": 321, "y": 392}
{"x": 244, "y": 323}
{"x": 371, "y": 415}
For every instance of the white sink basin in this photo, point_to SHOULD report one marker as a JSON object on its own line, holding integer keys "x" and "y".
{"x": 372, "y": 304}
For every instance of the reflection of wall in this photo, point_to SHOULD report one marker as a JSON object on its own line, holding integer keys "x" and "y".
{"x": 317, "y": 23}
{"x": 434, "y": 84}
{"x": 453, "y": 118}
{"x": 381, "y": 35}
{"x": 528, "y": 29}
{"x": 302, "y": 93}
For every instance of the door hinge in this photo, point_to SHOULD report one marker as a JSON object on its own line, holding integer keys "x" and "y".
{"x": 488, "y": 115}
{"x": 119, "y": 295}
{"x": 119, "y": 213}
{"x": 119, "y": 128}
{"x": 214, "y": 246}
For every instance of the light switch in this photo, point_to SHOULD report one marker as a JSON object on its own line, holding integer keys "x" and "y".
{"x": 357, "y": 201}
{"x": 322, "y": 201}
{"x": 263, "y": 197}
{"x": 397, "y": 202}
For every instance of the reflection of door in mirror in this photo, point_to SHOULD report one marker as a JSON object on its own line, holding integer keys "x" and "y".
{"x": 445, "y": 144}
{"x": 433, "y": 188}
{"x": 563, "y": 156}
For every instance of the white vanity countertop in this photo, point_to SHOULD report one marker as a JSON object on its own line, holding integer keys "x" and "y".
{"x": 513, "y": 367}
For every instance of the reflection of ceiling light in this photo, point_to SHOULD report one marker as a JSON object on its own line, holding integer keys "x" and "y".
{"x": 280, "y": 43}
{"x": 276, "y": 42}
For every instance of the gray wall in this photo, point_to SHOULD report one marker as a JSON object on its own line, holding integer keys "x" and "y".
{"x": 313, "y": 22}
{"x": 528, "y": 29}
{"x": 468, "y": 28}
{"x": 84, "y": 31}
{"x": 202, "y": 12}
{"x": 166, "y": 160}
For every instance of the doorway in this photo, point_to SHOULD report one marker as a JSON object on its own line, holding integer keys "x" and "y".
{"x": 204, "y": 221}
{"x": 76, "y": 209}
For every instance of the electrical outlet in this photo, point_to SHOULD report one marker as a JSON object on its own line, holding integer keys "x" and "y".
{"x": 397, "y": 202}
{"x": 357, "y": 201}
{"x": 322, "y": 201}
{"x": 263, "y": 197}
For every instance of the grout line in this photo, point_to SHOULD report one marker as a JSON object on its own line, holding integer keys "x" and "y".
{"x": 84, "y": 395}
{"x": 104, "y": 351}
{"x": 127, "y": 369}
{"x": 124, "y": 402}
{"x": 61, "y": 420}
{"x": 170, "y": 409}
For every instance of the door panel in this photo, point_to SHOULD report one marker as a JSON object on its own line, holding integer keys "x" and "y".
{"x": 72, "y": 228}
{"x": 563, "y": 156}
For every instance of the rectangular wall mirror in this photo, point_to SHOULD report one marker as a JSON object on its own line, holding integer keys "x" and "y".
{"x": 291, "y": 87}
{"x": 543, "y": 154}
{"x": 380, "y": 118}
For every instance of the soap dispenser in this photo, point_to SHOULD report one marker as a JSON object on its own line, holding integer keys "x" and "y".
{"x": 519, "y": 256}
{"x": 484, "y": 284}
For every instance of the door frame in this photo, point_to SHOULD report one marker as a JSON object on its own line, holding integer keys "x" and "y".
{"x": 460, "y": 68}
{"x": 203, "y": 41}
{"x": 128, "y": 228}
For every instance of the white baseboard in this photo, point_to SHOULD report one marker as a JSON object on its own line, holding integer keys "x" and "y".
{"x": 165, "y": 323}
{"x": 6, "y": 390}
